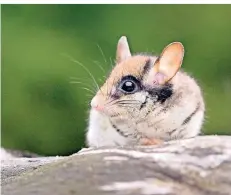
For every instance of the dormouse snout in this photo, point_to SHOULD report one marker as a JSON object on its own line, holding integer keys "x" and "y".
{"x": 96, "y": 104}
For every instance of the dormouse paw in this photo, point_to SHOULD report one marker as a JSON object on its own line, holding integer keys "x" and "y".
{"x": 150, "y": 141}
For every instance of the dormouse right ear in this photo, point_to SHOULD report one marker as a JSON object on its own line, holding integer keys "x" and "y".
{"x": 123, "y": 51}
{"x": 167, "y": 64}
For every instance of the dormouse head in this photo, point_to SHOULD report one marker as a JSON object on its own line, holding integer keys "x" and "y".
{"x": 137, "y": 80}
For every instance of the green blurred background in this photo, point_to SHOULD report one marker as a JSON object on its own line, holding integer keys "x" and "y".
{"x": 43, "y": 112}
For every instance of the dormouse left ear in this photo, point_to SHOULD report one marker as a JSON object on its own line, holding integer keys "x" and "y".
{"x": 123, "y": 50}
{"x": 168, "y": 63}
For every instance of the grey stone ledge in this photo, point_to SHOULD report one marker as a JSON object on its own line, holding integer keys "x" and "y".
{"x": 200, "y": 165}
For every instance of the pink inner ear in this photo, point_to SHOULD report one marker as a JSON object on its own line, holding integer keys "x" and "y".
{"x": 159, "y": 78}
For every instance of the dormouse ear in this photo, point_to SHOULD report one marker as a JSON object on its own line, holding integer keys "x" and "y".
{"x": 168, "y": 63}
{"x": 123, "y": 50}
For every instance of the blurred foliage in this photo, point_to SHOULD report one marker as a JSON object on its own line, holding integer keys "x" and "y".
{"x": 43, "y": 112}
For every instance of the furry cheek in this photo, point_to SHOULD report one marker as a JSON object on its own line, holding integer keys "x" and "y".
{"x": 121, "y": 111}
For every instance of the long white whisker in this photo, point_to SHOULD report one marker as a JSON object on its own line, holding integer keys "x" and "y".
{"x": 102, "y": 53}
{"x": 85, "y": 68}
{"x": 75, "y": 82}
{"x": 111, "y": 62}
{"x": 101, "y": 67}
{"x": 83, "y": 84}
{"x": 88, "y": 90}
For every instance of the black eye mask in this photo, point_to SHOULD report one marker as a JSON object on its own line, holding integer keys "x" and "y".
{"x": 163, "y": 93}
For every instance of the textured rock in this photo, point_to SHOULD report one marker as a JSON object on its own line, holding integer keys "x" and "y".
{"x": 200, "y": 165}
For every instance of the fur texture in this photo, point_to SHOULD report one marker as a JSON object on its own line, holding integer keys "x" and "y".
{"x": 165, "y": 105}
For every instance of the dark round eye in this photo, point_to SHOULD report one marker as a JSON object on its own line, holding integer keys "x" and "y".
{"x": 129, "y": 86}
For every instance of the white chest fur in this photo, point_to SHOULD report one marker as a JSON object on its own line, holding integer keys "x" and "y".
{"x": 101, "y": 133}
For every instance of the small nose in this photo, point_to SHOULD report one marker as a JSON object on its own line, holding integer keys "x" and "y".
{"x": 95, "y": 104}
{"x": 97, "y": 107}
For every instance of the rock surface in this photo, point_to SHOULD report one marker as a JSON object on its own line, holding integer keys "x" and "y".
{"x": 199, "y": 166}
